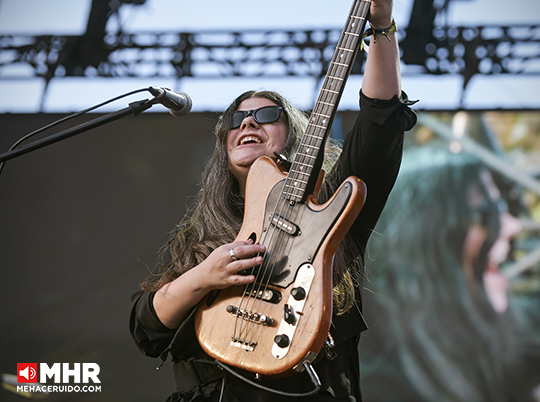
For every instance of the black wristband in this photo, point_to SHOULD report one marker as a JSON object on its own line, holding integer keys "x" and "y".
{"x": 387, "y": 31}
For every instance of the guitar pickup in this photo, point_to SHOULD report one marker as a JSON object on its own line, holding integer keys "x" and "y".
{"x": 268, "y": 295}
{"x": 285, "y": 225}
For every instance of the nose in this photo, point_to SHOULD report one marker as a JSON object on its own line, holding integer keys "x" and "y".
{"x": 510, "y": 226}
{"x": 249, "y": 121}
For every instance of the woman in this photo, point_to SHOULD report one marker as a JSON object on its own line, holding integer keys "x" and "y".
{"x": 442, "y": 326}
{"x": 203, "y": 255}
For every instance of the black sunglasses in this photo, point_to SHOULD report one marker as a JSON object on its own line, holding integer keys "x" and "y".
{"x": 263, "y": 115}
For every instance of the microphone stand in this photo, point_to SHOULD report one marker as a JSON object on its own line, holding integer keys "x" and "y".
{"x": 134, "y": 108}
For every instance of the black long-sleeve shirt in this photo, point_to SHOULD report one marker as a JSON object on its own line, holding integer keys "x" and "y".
{"x": 372, "y": 151}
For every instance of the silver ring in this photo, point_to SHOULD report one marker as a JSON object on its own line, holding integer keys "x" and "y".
{"x": 233, "y": 255}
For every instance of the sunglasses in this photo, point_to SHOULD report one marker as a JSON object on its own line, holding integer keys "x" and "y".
{"x": 263, "y": 115}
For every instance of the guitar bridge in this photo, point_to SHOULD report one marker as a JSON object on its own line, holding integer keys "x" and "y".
{"x": 250, "y": 316}
{"x": 243, "y": 344}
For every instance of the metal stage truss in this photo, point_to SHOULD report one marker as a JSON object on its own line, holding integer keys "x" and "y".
{"x": 217, "y": 54}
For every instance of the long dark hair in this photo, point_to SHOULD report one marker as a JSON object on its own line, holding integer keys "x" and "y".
{"x": 432, "y": 327}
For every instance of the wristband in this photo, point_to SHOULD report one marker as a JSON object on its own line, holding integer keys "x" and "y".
{"x": 373, "y": 31}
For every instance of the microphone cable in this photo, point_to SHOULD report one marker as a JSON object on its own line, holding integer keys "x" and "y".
{"x": 69, "y": 117}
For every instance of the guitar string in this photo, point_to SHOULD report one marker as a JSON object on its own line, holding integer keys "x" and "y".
{"x": 327, "y": 101}
{"x": 316, "y": 145}
{"x": 332, "y": 100}
{"x": 278, "y": 239}
{"x": 252, "y": 290}
{"x": 278, "y": 244}
{"x": 273, "y": 239}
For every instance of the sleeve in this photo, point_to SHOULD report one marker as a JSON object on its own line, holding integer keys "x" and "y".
{"x": 372, "y": 151}
{"x": 149, "y": 334}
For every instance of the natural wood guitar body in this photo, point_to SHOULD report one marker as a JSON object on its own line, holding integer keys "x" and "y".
{"x": 228, "y": 323}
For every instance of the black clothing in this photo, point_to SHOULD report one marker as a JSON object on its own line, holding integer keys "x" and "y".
{"x": 372, "y": 152}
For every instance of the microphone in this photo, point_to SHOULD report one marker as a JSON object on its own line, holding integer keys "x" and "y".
{"x": 178, "y": 103}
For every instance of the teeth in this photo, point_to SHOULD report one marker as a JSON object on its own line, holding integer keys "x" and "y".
{"x": 250, "y": 138}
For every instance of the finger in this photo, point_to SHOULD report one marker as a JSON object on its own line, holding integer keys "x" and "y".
{"x": 245, "y": 251}
{"x": 245, "y": 264}
{"x": 241, "y": 279}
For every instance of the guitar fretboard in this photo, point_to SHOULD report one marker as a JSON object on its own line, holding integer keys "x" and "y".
{"x": 312, "y": 143}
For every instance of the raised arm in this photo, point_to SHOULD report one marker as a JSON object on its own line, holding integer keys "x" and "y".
{"x": 382, "y": 77}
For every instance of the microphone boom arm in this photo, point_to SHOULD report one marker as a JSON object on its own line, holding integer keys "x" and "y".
{"x": 134, "y": 108}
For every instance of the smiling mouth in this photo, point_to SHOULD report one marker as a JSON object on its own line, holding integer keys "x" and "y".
{"x": 250, "y": 139}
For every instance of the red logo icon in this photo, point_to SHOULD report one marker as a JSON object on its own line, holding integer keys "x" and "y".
{"x": 26, "y": 372}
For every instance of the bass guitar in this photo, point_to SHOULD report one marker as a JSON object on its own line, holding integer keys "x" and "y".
{"x": 280, "y": 322}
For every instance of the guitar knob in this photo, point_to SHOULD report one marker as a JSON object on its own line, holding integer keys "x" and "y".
{"x": 298, "y": 293}
{"x": 282, "y": 340}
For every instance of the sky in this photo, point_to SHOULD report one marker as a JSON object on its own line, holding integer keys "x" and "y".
{"x": 68, "y": 17}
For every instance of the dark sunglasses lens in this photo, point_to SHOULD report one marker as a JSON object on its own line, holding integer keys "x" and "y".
{"x": 267, "y": 114}
{"x": 238, "y": 117}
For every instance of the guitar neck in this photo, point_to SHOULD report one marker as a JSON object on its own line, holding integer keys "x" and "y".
{"x": 303, "y": 173}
